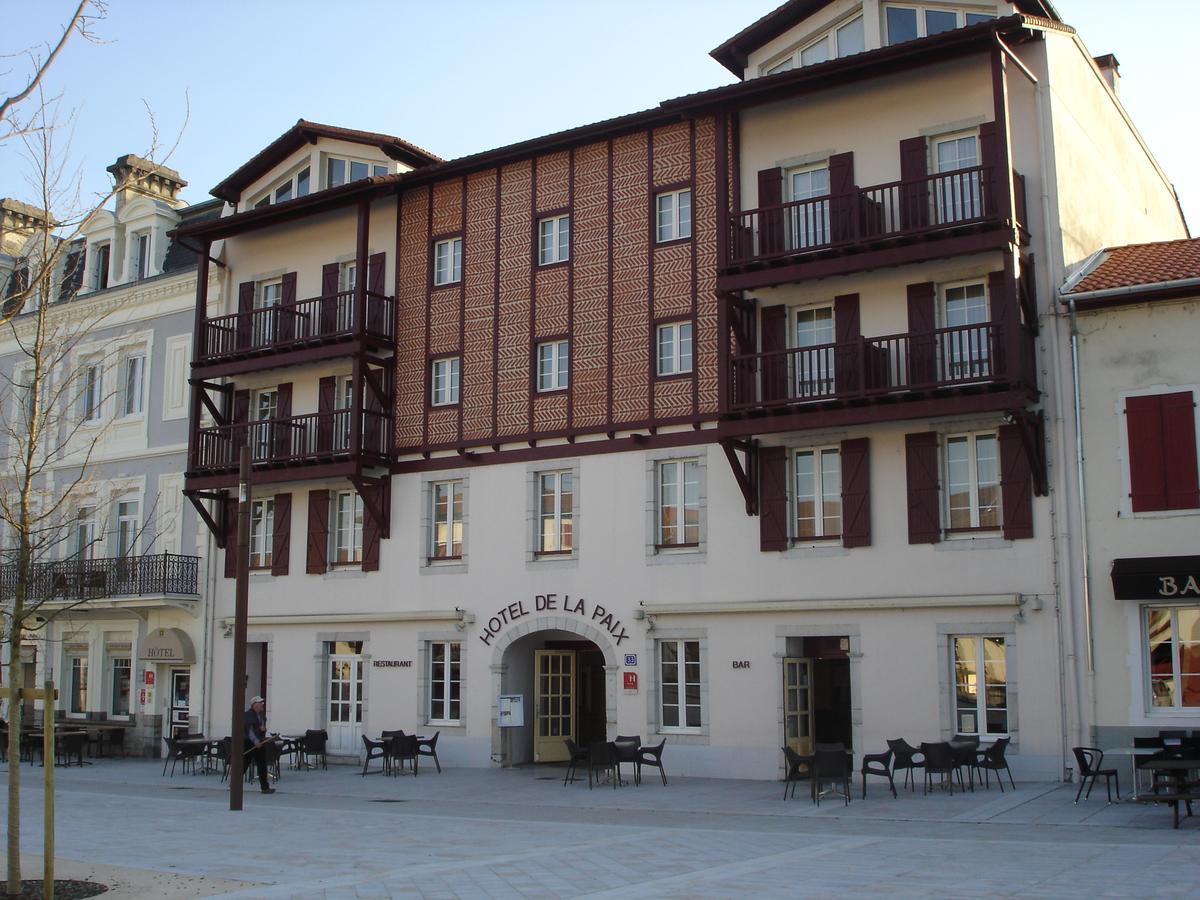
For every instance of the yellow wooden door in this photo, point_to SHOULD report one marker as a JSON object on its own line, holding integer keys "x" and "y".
{"x": 797, "y": 705}
{"x": 554, "y": 700}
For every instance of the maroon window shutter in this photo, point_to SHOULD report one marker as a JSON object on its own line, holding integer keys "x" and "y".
{"x": 286, "y": 319}
{"x": 240, "y": 420}
{"x": 372, "y": 530}
{"x": 774, "y": 341}
{"x": 772, "y": 498}
{"x": 847, "y": 331}
{"x": 1003, "y": 311}
{"x": 231, "y": 541}
{"x": 1179, "y": 445}
{"x": 842, "y": 194}
{"x": 331, "y": 275}
{"x": 924, "y": 509}
{"x": 318, "y": 532}
{"x": 770, "y": 223}
{"x": 281, "y": 534}
{"x": 922, "y": 360}
{"x": 283, "y": 429}
{"x": 856, "y": 493}
{"x": 992, "y": 161}
{"x": 376, "y": 266}
{"x": 245, "y": 308}
{"x": 326, "y": 399}
{"x": 914, "y": 188}
{"x": 1016, "y": 485}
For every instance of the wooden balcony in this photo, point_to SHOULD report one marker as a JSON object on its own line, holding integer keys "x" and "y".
{"x": 83, "y": 580}
{"x": 287, "y": 334}
{"x": 879, "y": 374}
{"x": 305, "y": 446}
{"x": 885, "y": 224}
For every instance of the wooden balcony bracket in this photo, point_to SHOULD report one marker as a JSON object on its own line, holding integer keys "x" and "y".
{"x": 1032, "y": 428}
{"x": 376, "y": 494}
{"x": 374, "y": 379}
{"x": 745, "y": 475}
{"x": 204, "y": 388}
{"x": 1027, "y": 294}
{"x": 221, "y": 497}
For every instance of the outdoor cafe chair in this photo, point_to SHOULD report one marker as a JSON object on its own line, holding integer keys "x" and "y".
{"x": 575, "y": 756}
{"x": 71, "y": 747}
{"x": 219, "y": 755}
{"x": 652, "y": 756}
{"x": 602, "y": 758}
{"x": 375, "y": 750}
{"x": 877, "y": 764}
{"x": 906, "y": 758}
{"x": 1150, "y": 746}
{"x": 428, "y": 747}
{"x": 625, "y": 750}
{"x": 115, "y": 739}
{"x": 179, "y": 754}
{"x": 387, "y": 737}
{"x": 313, "y": 746}
{"x": 940, "y": 760}
{"x": 401, "y": 749}
{"x": 992, "y": 760}
{"x": 966, "y": 756}
{"x": 1090, "y": 760}
{"x": 829, "y": 767}
{"x": 794, "y": 776}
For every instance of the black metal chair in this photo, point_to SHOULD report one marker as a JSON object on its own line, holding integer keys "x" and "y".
{"x": 829, "y": 767}
{"x": 220, "y": 755}
{"x": 313, "y": 747}
{"x": 652, "y": 756}
{"x": 601, "y": 758}
{"x": 403, "y": 749}
{"x": 575, "y": 756}
{"x": 1090, "y": 759}
{"x": 906, "y": 758}
{"x": 428, "y": 747}
{"x": 115, "y": 739}
{"x": 794, "y": 776}
{"x": 71, "y": 747}
{"x": 1151, "y": 746}
{"x": 375, "y": 750}
{"x": 387, "y": 737}
{"x": 626, "y": 750}
{"x": 940, "y": 760}
{"x": 992, "y": 760}
{"x": 177, "y": 754}
{"x": 966, "y": 755}
{"x": 877, "y": 764}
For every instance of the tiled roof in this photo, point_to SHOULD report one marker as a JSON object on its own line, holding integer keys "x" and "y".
{"x": 1138, "y": 264}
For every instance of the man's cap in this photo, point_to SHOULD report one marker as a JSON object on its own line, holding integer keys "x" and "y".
{"x": 254, "y": 700}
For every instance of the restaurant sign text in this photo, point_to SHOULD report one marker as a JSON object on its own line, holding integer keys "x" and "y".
{"x": 594, "y": 613}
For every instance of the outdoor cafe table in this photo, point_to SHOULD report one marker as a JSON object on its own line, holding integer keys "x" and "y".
{"x": 1133, "y": 753}
{"x": 37, "y": 739}
{"x": 203, "y": 747}
{"x": 1176, "y": 768}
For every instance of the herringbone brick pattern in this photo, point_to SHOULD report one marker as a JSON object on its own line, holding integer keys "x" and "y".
{"x": 550, "y": 412}
{"x": 673, "y": 280}
{"x": 444, "y": 306}
{"x": 673, "y": 397}
{"x": 512, "y": 366}
{"x": 553, "y": 181}
{"x": 447, "y": 206}
{"x": 589, "y": 363}
{"x": 409, "y": 391}
{"x": 704, "y": 216}
{"x": 672, "y": 153}
{"x": 550, "y": 306}
{"x": 479, "y": 370}
{"x": 443, "y": 425}
{"x": 630, "y": 301}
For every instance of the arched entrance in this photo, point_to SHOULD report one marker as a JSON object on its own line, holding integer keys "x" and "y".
{"x": 566, "y": 673}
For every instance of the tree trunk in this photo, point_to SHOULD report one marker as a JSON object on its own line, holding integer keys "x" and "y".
{"x": 15, "y": 712}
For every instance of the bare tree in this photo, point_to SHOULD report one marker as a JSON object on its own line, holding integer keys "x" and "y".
{"x": 46, "y": 397}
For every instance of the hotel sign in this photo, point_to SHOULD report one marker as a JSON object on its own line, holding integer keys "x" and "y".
{"x": 1157, "y": 578}
{"x": 593, "y": 613}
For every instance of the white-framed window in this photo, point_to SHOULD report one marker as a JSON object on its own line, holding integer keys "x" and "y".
{"x": 446, "y": 520}
{"x": 91, "y": 392}
{"x": 133, "y": 371}
{"x": 553, "y": 365}
{"x": 84, "y": 541}
{"x": 445, "y": 682}
{"x": 808, "y": 220}
{"x": 813, "y": 361}
{"x": 262, "y": 325}
{"x": 263, "y": 410}
{"x": 673, "y": 215}
{"x": 343, "y": 402}
{"x": 556, "y": 512}
{"x": 679, "y": 685}
{"x": 678, "y": 503}
{"x": 980, "y": 684}
{"x": 818, "y": 493}
{"x": 972, "y": 481}
{"x": 1172, "y": 641}
{"x": 79, "y": 683}
{"x": 141, "y": 255}
{"x": 907, "y": 23}
{"x": 120, "y": 680}
{"x": 965, "y": 350}
{"x": 957, "y": 197}
{"x": 129, "y": 524}
{"x": 447, "y": 261}
{"x": 341, "y": 170}
{"x": 674, "y": 340}
{"x": 444, "y": 383}
{"x": 347, "y": 528}
{"x": 842, "y": 40}
{"x": 100, "y": 267}
{"x": 554, "y": 239}
{"x": 262, "y": 532}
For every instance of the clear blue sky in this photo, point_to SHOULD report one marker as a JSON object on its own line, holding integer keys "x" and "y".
{"x": 459, "y": 77}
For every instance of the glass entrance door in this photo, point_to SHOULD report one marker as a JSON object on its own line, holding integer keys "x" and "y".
{"x": 345, "y": 703}
{"x": 554, "y": 700}
{"x": 797, "y": 705}
{"x": 181, "y": 692}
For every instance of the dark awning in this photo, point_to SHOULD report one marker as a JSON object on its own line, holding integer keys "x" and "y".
{"x": 1156, "y": 578}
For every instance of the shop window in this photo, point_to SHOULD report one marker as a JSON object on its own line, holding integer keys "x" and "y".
{"x": 121, "y": 676}
{"x": 445, "y": 682}
{"x": 1173, "y": 652}
{"x": 980, "y": 685}
{"x": 679, "y": 685}
{"x": 78, "y": 684}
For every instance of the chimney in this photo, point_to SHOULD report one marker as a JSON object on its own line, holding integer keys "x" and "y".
{"x": 135, "y": 176}
{"x": 18, "y": 222}
{"x": 1111, "y": 70}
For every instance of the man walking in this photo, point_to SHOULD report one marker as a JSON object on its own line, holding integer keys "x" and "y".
{"x": 256, "y": 737}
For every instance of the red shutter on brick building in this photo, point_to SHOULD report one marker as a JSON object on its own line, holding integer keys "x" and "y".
{"x": 1016, "y": 485}
{"x": 770, "y": 224}
{"x": 856, "y": 493}
{"x": 772, "y": 498}
{"x": 924, "y": 505}
{"x": 318, "y": 532}
{"x": 230, "y": 507}
{"x": 281, "y": 534}
{"x": 1162, "y": 451}
{"x": 1179, "y": 450}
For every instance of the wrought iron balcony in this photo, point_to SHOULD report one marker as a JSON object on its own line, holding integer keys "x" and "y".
{"x": 869, "y": 217}
{"x": 76, "y": 580}
{"x": 303, "y": 440}
{"x": 881, "y": 368}
{"x": 295, "y": 326}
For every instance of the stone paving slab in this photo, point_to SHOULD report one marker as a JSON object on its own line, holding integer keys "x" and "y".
{"x": 521, "y": 833}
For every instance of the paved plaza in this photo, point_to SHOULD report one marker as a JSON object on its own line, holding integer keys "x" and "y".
{"x": 521, "y": 833}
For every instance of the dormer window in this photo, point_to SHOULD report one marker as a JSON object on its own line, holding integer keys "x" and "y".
{"x": 907, "y": 23}
{"x": 141, "y": 255}
{"x": 342, "y": 171}
{"x": 295, "y": 186}
{"x": 100, "y": 271}
{"x": 843, "y": 40}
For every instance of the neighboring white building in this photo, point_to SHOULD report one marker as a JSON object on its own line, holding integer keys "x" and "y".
{"x": 126, "y": 586}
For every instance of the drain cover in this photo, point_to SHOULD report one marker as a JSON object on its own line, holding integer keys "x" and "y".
{"x": 387, "y": 801}
{"x": 546, "y": 778}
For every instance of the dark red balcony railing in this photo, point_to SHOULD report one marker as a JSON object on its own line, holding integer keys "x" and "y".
{"x": 872, "y": 367}
{"x": 312, "y": 438}
{"x": 74, "y": 580}
{"x": 294, "y": 325}
{"x": 870, "y": 214}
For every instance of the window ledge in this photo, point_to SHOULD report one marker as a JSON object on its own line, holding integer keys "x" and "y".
{"x": 670, "y": 241}
{"x": 1158, "y": 514}
{"x": 672, "y": 376}
{"x": 558, "y": 263}
{"x": 445, "y": 566}
{"x": 354, "y": 571}
{"x": 984, "y": 540}
{"x": 815, "y": 550}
